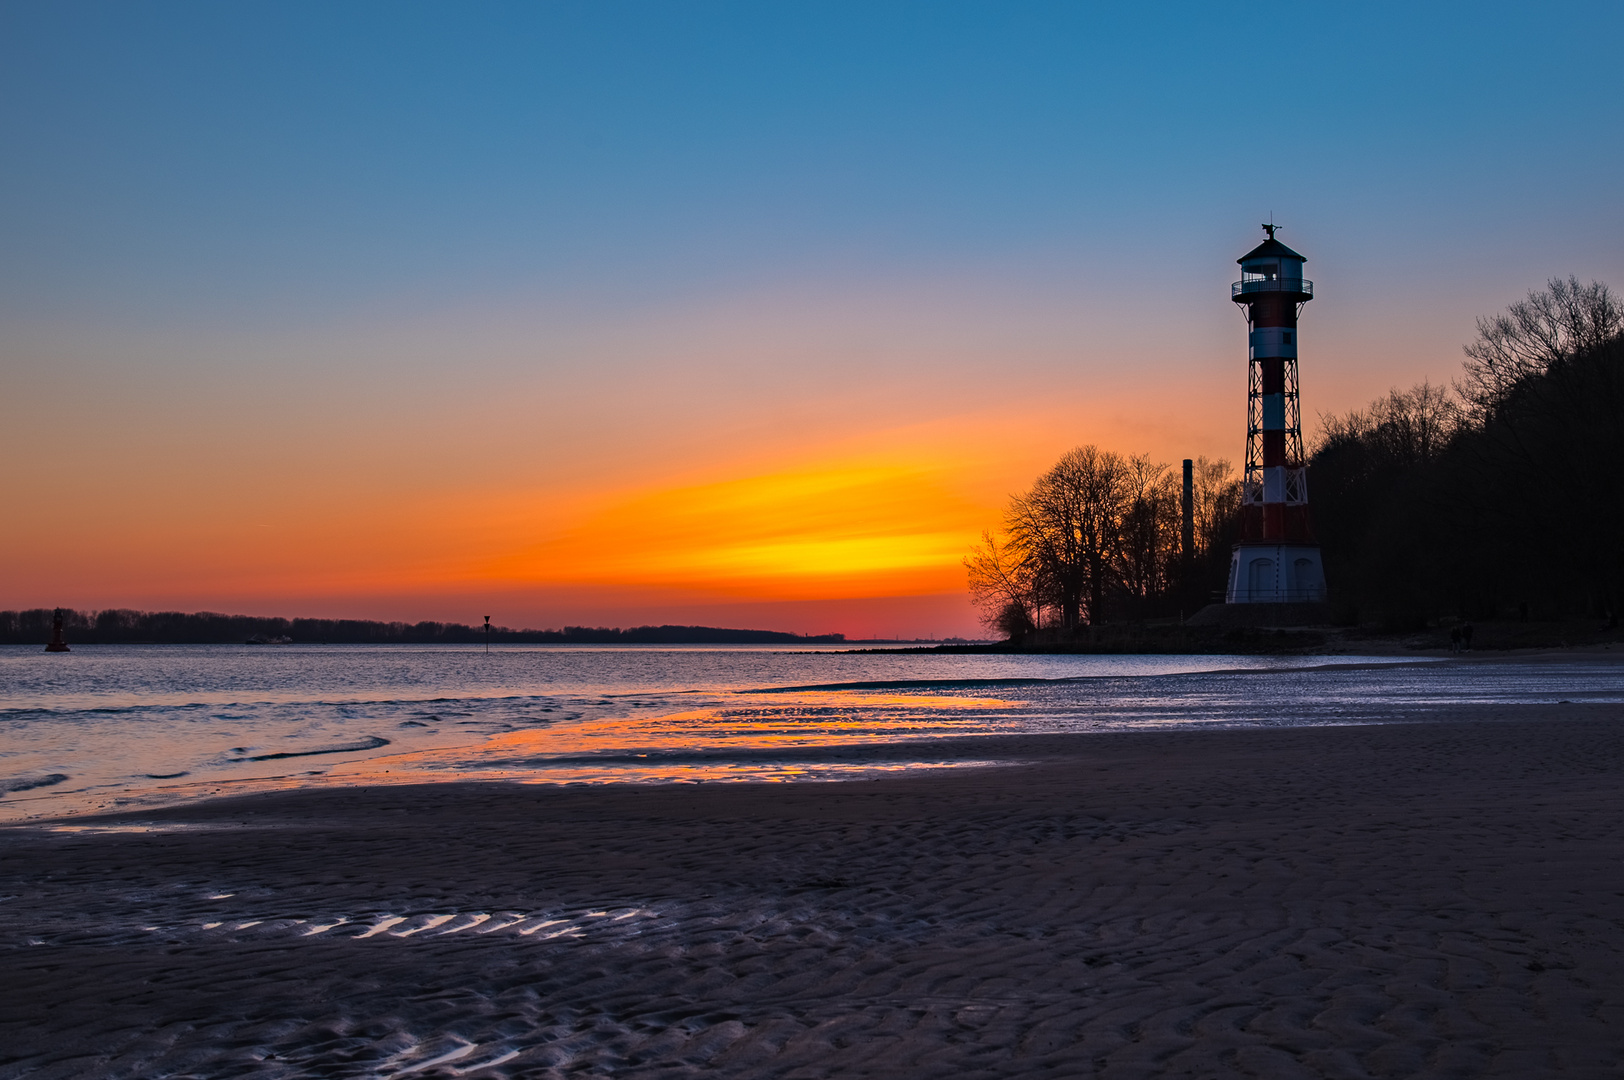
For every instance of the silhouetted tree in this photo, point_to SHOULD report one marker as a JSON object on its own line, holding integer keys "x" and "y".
{"x": 1218, "y": 505}
{"x": 1534, "y": 335}
{"x": 1144, "y": 562}
{"x": 1004, "y": 586}
{"x": 1097, "y": 533}
{"x": 1508, "y": 498}
{"x": 1070, "y": 525}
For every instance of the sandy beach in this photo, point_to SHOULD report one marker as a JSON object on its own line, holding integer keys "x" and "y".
{"x": 1440, "y": 898}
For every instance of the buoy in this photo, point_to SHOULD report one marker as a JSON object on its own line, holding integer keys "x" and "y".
{"x": 57, "y": 643}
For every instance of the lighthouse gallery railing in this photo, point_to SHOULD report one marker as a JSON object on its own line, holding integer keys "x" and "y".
{"x": 1291, "y": 285}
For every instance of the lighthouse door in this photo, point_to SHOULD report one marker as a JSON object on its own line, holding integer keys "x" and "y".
{"x": 1305, "y": 586}
{"x": 1260, "y": 580}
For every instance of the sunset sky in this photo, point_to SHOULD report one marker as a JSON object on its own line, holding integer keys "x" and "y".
{"x": 740, "y": 314}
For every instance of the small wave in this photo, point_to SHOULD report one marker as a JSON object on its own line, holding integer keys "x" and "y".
{"x": 916, "y": 684}
{"x": 158, "y": 704}
{"x": 28, "y": 783}
{"x": 370, "y": 743}
{"x": 166, "y": 775}
{"x": 1200, "y": 672}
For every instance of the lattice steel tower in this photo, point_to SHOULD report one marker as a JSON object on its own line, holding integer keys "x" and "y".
{"x": 1277, "y": 560}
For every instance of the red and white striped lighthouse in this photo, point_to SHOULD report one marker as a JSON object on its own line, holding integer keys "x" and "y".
{"x": 1276, "y": 560}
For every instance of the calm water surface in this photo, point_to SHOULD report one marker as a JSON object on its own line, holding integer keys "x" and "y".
{"x": 113, "y": 726}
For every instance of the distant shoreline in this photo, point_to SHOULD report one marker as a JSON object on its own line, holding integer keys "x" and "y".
{"x": 127, "y": 627}
{"x": 838, "y": 645}
{"x": 121, "y": 626}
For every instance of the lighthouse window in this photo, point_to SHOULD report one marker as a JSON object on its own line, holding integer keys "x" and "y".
{"x": 1286, "y": 338}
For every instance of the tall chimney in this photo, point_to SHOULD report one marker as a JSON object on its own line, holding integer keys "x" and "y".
{"x": 1189, "y": 509}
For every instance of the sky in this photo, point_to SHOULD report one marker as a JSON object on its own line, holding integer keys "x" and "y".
{"x": 734, "y": 314}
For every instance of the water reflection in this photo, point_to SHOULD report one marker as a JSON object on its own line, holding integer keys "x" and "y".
{"x": 134, "y": 726}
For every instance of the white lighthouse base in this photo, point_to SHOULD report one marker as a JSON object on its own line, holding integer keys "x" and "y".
{"x": 1265, "y": 572}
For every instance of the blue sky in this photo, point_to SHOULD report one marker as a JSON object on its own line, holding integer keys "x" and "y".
{"x": 178, "y": 161}
{"x": 705, "y": 241}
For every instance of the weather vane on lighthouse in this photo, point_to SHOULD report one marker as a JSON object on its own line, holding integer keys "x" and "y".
{"x": 1276, "y": 561}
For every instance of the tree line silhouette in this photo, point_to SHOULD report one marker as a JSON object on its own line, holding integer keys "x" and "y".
{"x": 123, "y": 626}
{"x": 1500, "y": 496}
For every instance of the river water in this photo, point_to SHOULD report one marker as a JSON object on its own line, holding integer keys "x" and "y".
{"x": 115, "y": 727}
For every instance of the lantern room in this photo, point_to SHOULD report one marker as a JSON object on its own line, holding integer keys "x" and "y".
{"x": 1272, "y": 267}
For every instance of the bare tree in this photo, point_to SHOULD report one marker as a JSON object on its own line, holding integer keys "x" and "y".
{"x": 1045, "y": 527}
{"x": 1004, "y": 586}
{"x": 1217, "y": 494}
{"x": 1407, "y": 427}
{"x": 1150, "y": 523}
{"x": 1535, "y": 334}
{"x": 1070, "y": 525}
{"x": 1095, "y": 528}
{"x": 1418, "y": 423}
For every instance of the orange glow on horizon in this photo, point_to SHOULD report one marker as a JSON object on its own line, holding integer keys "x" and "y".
{"x": 863, "y": 533}
{"x": 845, "y": 528}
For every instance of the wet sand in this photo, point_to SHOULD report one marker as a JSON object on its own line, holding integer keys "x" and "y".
{"x": 1420, "y": 899}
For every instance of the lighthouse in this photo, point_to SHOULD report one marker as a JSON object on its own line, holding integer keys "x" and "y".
{"x": 1276, "y": 560}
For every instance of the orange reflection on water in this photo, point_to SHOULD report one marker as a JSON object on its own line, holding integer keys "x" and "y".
{"x": 764, "y": 723}
{"x": 736, "y": 772}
